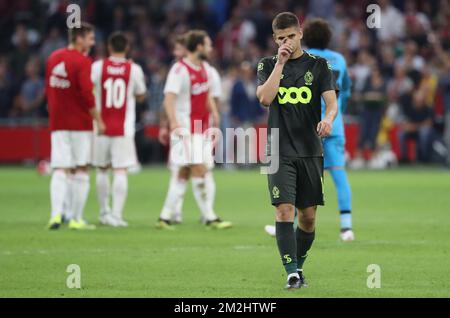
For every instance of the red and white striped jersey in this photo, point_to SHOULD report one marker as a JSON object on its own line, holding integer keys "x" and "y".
{"x": 192, "y": 85}
{"x": 116, "y": 82}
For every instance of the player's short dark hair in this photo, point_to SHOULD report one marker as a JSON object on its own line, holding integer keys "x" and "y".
{"x": 194, "y": 38}
{"x": 316, "y": 33}
{"x": 180, "y": 39}
{"x": 118, "y": 42}
{"x": 285, "y": 20}
{"x": 84, "y": 29}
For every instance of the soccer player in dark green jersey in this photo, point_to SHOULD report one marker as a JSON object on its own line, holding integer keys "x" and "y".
{"x": 292, "y": 85}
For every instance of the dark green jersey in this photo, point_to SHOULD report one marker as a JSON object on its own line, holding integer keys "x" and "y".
{"x": 296, "y": 110}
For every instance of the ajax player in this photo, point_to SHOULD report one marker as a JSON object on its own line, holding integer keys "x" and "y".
{"x": 181, "y": 175}
{"x": 189, "y": 105}
{"x": 118, "y": 84}
{"x": 71, "y": 111}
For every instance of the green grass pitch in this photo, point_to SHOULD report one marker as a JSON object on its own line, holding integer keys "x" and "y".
{"x": 401, "y": 222}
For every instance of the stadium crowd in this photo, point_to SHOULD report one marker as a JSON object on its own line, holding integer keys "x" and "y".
{"x": 400, "y": 72}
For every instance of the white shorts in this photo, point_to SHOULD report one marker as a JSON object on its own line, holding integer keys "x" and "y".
{"x": 119, "y": 152}
{"x": 189, "y": 150}
{"x": 71, "y": 148}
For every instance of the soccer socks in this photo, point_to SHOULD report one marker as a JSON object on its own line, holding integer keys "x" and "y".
{"x": 58, "y": 191}
{"x": 287, "y": 245}
{"x": 103, "y": 190}
{"x": 179, "y": 205}
{"x": 344, "y": 194}
{"x": 67, "y": 207}
{"x": 304, "y": 241}
{"x": 202, "y": 196}
{"x": 210, "y": 190}
{"x": 80, "y": 187}
{"x": 177, "y": 189}
{"x": 119, "y": 193}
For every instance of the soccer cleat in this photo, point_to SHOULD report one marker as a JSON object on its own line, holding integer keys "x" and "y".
{"x": 164, "y": 225}
{"x": 121, "y": 222}
{"x": 55, "y": 222}
{"x": 270, "y": 229}
{"x": 303, "y": 282}
{"x": 80, "y": 225}
{"x": 107, "y": 219}
{"x": 293, "y": 282}
{"x": 176, "y": 218}
{"x": 65, "y": 219}
{"x": 347, "y": 235}
{"x": 218, "y": 224}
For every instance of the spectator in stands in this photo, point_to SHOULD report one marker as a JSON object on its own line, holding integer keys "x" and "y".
{"x": 444, "y": 85}
{"x": 418, "y": 123}
{"x": 400, "y": 85}
{"x": 237, "y": 32}
{"x": 245, "y": 107}
{"x": 29, "y": 101}
{"x": 53, "y": 42}
{"x": 373, "y": 100}
{"x": 6, "y": 89}
{"x": 156, "y": 83}
{"x": 20, "y": 54}
{"x": 411, "y": 60}
{"x": 393, "y": 22}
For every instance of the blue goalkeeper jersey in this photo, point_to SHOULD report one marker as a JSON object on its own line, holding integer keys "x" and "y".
{"x": 344, "y": 83}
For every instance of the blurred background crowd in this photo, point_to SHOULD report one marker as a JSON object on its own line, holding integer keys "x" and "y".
{"x": 400, "y": 72}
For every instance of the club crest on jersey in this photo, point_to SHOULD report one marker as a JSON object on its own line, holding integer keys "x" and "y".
{"x": 275, "y": 192}
{"x": 260, "y": 66}
{"x": 309, "y": 77}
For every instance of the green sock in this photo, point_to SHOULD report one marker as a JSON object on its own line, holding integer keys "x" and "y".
{"x": 287, "y": 245}
{"x": 304, "y": 242}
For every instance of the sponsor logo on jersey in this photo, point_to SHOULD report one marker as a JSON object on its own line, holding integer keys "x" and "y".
{"x": 55, "y": 78}
{"x": 200, "y": 88}
{"x": 294, "y": 95}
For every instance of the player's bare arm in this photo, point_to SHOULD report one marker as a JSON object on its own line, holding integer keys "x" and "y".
{"x": 163, "y": 135}
{"x": 169, "y": 106}
{"x": 326, "y": 125}
{"x": 267, "y": 92}
{"x": 141, "y": 98}
{"x": 212, "y": 105}
{"x": 98, "y": 120}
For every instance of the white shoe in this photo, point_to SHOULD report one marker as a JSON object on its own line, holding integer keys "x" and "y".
{"x": 108, "y": 219}
{"x": 176, "y": 218}
{"x": 357, "y": 163}
{"x": 270, "y": 229}
{"x": 119, "y": 222}
{"x": 347, "y": 236}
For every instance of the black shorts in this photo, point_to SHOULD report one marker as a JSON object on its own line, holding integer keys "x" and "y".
{"x": 298, "y": 181}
